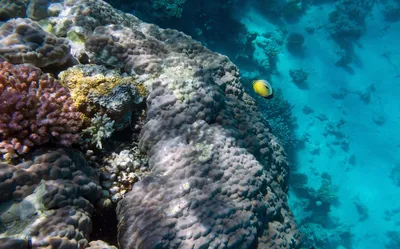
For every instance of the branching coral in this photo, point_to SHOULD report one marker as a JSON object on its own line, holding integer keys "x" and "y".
{"x": 36, "y": 109}
{"x": 101, "y": 128}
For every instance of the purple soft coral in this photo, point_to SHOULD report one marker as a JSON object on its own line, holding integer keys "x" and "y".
{"x": 35, "y": 109}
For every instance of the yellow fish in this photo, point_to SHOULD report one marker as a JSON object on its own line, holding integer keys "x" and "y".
{"x": 263, "y": 88}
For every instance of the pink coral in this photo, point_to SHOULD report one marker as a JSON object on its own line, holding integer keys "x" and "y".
{"x": 35, "y": 109}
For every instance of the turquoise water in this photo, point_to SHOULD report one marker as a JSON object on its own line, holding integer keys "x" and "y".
{"x": 375, "y": 147}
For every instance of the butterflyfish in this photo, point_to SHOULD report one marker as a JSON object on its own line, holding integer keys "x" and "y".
{"x": 263, "y": 88}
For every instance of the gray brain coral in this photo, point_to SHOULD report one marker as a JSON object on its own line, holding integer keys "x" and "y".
{"x": 218, "y": 176}
{"x": 24, "y": 41}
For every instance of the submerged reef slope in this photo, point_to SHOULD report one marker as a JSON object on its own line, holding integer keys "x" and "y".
{"x": 219, "y": 177}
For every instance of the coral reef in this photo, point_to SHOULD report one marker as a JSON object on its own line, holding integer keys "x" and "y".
{"x": 348, "y": 19}
{"x": 158, "y": 9}
{"x": 290, "y": 10}
{"x": 95, "y": 88}
{"x": 391, "y": 12}
{"x": 48, "y": 200}
{"x": 120, "y": 171}
{"x": 123, "y": 48}
{"x": 36, "y": 109}
{"x": 86, "y": 15}
{"x": 316, "y": 236}
{"x": 266, "y": 49}
{"x": 299, "y": 182}
{"x": 101, "y": 128}
{"x": 218, "y": 176}
{"x": 278, "y": 114}
{"x": 203, "y": 137}
{"x": 12, "y": 9}
{"x": 299, "y": 77}
{"x": 24, "y": 41}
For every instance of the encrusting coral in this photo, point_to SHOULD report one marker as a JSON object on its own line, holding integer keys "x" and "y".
{"x": 35, "y": 109}
{"x": 94, "y": 88}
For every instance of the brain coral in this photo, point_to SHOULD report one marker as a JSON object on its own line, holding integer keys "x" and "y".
{"x": 24, "y": 41}
{"x": 218, "y": 176}
{"x": 35, "y": 109}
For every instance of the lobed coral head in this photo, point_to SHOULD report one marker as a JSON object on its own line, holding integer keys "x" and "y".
{"x": 35, "y": 109}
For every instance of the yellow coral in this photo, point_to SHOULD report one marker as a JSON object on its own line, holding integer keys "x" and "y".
{"x": 142, "y": 90}
{"x": 81, "y": 86}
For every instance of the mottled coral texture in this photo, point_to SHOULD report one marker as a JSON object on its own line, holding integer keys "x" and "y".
{"x": 24, "y": 41}
{"x": 35, "y": 109}
{"x": 94, "y": 88}
{"x": 218, "y": 176}
{"x": 87, "y": 15}
{"x": 12, "y": 8}
{"x": 48, "y": 200}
